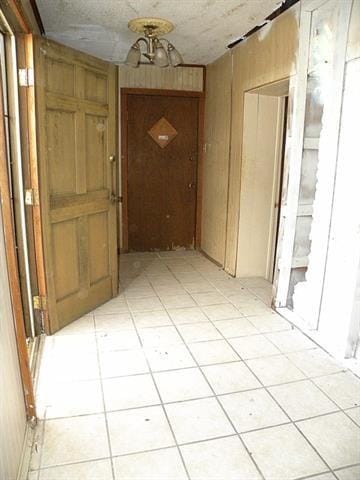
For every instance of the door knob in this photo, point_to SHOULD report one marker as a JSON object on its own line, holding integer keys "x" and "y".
{"x": 192, "y": 185}
{"x": 115, "y": 198}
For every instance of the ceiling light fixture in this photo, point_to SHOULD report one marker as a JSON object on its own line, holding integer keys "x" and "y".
{"x": 156, "y": 52}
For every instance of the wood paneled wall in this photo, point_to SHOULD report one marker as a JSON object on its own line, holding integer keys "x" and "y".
{"x": 266, "y": 56}
{"x": 216, "y": 165}
{"x": 147, "y": 76}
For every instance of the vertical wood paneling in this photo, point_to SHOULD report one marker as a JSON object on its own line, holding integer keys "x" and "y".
{"x": 147, "y": 76}
{"x": 12, "y": 406}
{"x": 216, "y": 158}
{"x": 267, "y": 56}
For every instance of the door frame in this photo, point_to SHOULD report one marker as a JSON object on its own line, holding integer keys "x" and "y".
{"x": 12, "y": 261}
{"x": 124, "y": 95}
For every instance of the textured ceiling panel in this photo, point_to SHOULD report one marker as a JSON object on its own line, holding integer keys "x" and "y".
{"x": 203, "y": 27}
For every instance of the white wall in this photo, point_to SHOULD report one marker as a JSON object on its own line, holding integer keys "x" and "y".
{"x": 12, "y": 406}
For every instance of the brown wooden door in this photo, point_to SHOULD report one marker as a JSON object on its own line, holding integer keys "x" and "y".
{"x": 76, "y": 105}
{"x": 161, "y": 178}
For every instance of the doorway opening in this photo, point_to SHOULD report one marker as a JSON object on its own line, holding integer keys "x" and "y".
{"x": 264, "y": 138}
{"x": 161, "y": 169}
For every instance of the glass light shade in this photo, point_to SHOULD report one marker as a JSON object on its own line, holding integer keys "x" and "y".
{"x": 133, "y": 56}
{"x": 174, "y": 55}
{"x": 160, "y": 58}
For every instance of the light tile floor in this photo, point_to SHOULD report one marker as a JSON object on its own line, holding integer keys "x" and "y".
{"x": 188, "y": 374}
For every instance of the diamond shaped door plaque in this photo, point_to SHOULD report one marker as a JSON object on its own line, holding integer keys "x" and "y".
{"x": 162, "y": 132}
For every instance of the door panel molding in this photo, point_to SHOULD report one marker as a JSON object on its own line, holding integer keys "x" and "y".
{"x": 71, "y": 192}
{"x": 125, "y": 93}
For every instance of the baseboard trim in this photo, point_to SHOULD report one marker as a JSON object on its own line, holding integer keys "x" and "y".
{"x": 218, "y": 264}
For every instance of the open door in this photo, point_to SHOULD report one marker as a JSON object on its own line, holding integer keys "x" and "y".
{"x": 76, "y": 137}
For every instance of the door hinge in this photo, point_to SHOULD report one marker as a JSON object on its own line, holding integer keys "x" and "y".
{"x": 26, "y": 77}
{"x": 39, "y": 302}
{"x": 31, "y": 197}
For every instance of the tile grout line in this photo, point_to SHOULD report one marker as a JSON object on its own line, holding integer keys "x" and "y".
{"x": 311, "y": 379}
{"x": 162, "y": 405}
{"x": 221, "y": 406}
{"x": 274, "y": 399}
{"x": 226, "y": 340}
{"x": 282, "y": 409}
{"x": 200, "y": 368}
{"x": 103, "y": 401}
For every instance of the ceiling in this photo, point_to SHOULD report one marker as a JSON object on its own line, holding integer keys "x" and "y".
{"x": 203, "y": 27}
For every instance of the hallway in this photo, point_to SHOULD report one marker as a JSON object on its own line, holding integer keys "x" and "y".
{"x": 189, "y": 374}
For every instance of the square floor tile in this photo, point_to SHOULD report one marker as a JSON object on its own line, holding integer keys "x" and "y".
{"x": 302, "y": 400}
{"x": 315, "y": 362}
{"x": 123, "y": 362}
{"x": 183, "y": 316}
{"x": 158, "y": 465}
{"x": 220, "y": 459}
{"x": 275, "y": 370}
{"x": 74, "y": 439}
{"x": 139, "y": 292}
{"x": 290, "y": 341}
{"x": 81, "y": 326}
{"x": 159, "y": 336}
{"x": 73, "y": 345}
{"x": 130, "y": 392}
{"x": 169, "y": 358}
{"x": 147, "y": 304}
{"x": 221, "y": 312}
{"x": 169, "y": 290}
{"x": 178, "y": 301}
{"x": 164, "y": 280}
{"x": 252, "y": 410}
{"x": 215, "y": 351}
{"x": 180, "y": 385}
{"x": 197, "y": 332}
{"x": 335, "y": 437}
{"x": 198, "y": 287}
{"x": 350, "y": 473}
{"x": 156, "y": 318}
{"x": 117, "y": 340}
{"x": 254, "y": 309}
{"x": 268, "y": 322}
{"x": 235, "y": 327}
{"x": 343, "y": 388}
{"x": 239, "y": 296}
{"x": 283, "y": 453}
{"x": 324, "y": 476}
{"x": 71, "y": 367}
{"x": 250, "y": 282}
{"x": 113, "y": 306}
{"x": 230, "y": 377}
{"x": 209, "y": 298}
{"x": 113, "y": 321}
{"x": 354, "y": 413}
{"x": 96, "y": 470}
{"x": 69, "y": 399}
{"x": 138, "y": 430}
{"x": 189, "y": 277}
{"x": 254, "y": 346}
{"x": 198, "y": 420}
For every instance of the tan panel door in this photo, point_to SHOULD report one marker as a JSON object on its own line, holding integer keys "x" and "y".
{"x": 76, "y": 129}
